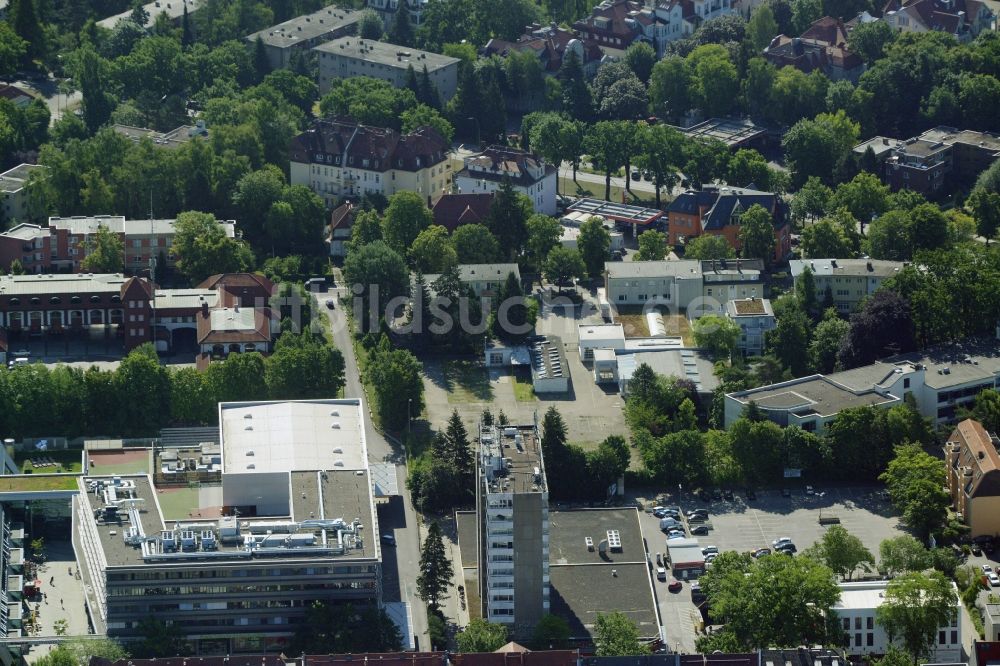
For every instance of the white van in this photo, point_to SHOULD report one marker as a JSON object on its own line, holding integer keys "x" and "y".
{"x": 20, "y": 360}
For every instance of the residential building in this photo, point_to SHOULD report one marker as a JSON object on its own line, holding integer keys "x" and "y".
{"x": 174, "y": 10}
{"x": 340, "y": 158}
{"x": 845, "y": 282}
{"x": 238, "y": 573}
{"x": 689, "y": 286}
{"x": 550, "y": 43}
{"x": 175, "y": 138}
{"x": 14, "y": 187}
{"x": 856, "y": 610}
{"x": 822, "y": 47}
{"x": 16, "y": 96}
{"x": 963, "y": 19}
{"x": 223, "y": 331}
{"x": 991, "y": 629}
{"x": 67, "y": 241}
{"x": 387, "y": 9}
{"x": 243, "y": 289}
{"x": 974, "y": 477}
{"x": 483, "y": 279}
{"x": 512, "y": 511}
{"x": 934, "y": 163}
{"x": 616, "y": 24}
{"x": 527, "y": 173}
{"x": 453, "y": 210}
{"x": 341, "y": 224}
{"x": 347, "y": 57}
{"x": 716, "y": 210}
{"x": 755, "y": 318}
{"x": 940, "y": 381}
{"x": 302, "y": 33}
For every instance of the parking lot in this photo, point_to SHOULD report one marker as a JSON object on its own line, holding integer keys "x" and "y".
{"x": 746, "y": 525}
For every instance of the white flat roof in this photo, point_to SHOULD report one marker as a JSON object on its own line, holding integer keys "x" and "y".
{"x": 292, "y": 435}
{"x": 614, "y": 333}
{"x": 860, "y": 596}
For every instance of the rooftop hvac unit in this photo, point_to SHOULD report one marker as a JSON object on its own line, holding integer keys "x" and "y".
{"x": 169, "y": 541}
{"x": 208, "y": 540}
{"x": 188, "y": 541}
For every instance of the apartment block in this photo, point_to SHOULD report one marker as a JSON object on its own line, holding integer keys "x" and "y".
{"x": 512, "y": 504}
{"x": 755, "y": 318}
{"x": 527, "y": 173}
{"x": 14, "y": 192}
{"x": 845, "y": 282}
{"x": 302, "y": 33}
{"x": 347, "y": 57}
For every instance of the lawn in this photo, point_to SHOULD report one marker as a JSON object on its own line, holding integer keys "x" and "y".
{"x": 524, "y": 391}
{"x": 596, "y": 191}
{"x": 634, "y": 324}
{"x": 36, "y": 484}
{"x": 178, "y": 504}
{"x": 467, "y": 381}
{"x": 633, "y": 319}
{"x": 66, "y": 461}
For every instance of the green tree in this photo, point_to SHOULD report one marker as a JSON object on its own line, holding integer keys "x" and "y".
{"x": 551, "y": 633}
{"x": 543, "y": 235}
{"x": 606, "y": 143}
{"x": 141, "y": 376}
{"x": 770, "y": 601}
{"x": 986, "y": 410}
{"x": 382, "y": 276}
{"x": 811, "y": 201}
{"x": 481, "y": 636}
{"x": 842, "y": 552}
{"x": 159, "y": 639}
{"x": 425, "y": 116}
{"x": 105, "y": 252}
{"x": 985, "y": 207}
{"x": 870, "y": 39}
{"x": 405, "y": 218}
{"x": 370, "y": 26}
{"x": 203, "y": 248}
{"x": 508, "y": 218}
{"x": 708, "y": 246}
{"x": 916, "y": 605}
{"x": 303, "y": 367}
{"x": 670, "y": 85}
{"x": 456, "y": 450}
{"x": 789, "y": 341}
{"x": 865, "y": 196}
{"x": 902, "y": 554}
{"x": 820, "y": 147}
{"x": 367, "y": 229}
{"x": 345, "y": 629}
{"x": 432, "y": 250}
{"x": 394, "y": 375}
{"x": 25, "y": 20}
{"x": 401, "y": 31}
{"x": 92, "y": 74}
{"x": 615, "y": 635}
{"x": 594, "y": 244}
{"x": 762, "y": 27}
{"x": 718, "y": 334}
{"x": 563, "y": 265}
{"x": 640, "y": 58}
{"x": 660, "y": 153}
{"x": 715, "y": 79}
{"x": 12, "y": 49}
{"x": 830, "y": 237}
{"x": 576, "y": 96}
{"x": 475, "y": 244}
{"x": 915, "y": 481}
{"x": 652, "y": 246}
{"x": 435, "y": 568}
{"x": 827, "y": 339}
{"x": 757, "y": 234}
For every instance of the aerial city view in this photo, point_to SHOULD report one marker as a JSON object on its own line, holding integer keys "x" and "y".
{"x": 500, "y": 332}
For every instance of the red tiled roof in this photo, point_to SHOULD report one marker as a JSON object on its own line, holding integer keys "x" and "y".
{"x": 453, "y": 210}
{"x": 261, "y": 331}
{"x": 237, "y": 280}
{"x": 341, "y": 215}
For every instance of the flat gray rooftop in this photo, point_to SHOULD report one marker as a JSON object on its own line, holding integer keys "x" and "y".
{"x": 303, "y": 28}
{"x": 585, "y": 584}
{"x": 523, "y": 457}
{"x": 816, "y": 395}
{"x": 383, "y": 53}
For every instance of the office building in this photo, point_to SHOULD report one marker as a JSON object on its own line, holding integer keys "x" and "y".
{"x": 173, "y": 9}
{"x": 527, "y": 173}
{"x": 302, "y": 33}
{"x": 347, "y": 57}
{"x": 236, "y": 571}
{"x": 845, "y": 282}
{"x": 856, "y": 610}
{"x": 342, "y": 159}
{"x": 387, "y": 9}
{"x": 690, "y": 286}
{"x": 512, "y": 504}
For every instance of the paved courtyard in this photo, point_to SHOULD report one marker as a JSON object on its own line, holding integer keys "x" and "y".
{"x": 747, "y": 525}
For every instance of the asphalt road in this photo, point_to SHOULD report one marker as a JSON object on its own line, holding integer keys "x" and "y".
{"x": 400, "y": 564}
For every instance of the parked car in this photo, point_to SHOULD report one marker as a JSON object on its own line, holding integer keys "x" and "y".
{"x": 329, "y": 304}
{"x": 704, "y": 496}
{"x": 661, "y": 574}
{"x": 716, "y": 494}
{"x": 727, "y": 494}
{"x": 667, "y": 524}
{"x": 659, "y": 559}
{"x": 710, "y": 550}
{"x": 674, "y": 534}
{"x": 675, "y": 585}
{"x": 699, "y": 530}
{"x": 987, "y": 569}
{"x": 389, "y": 539}
{"x": 697, "y": 518}
{"x": 976, "y": 550}
{"x": 761, "y": 552}
{"x": 636, "y": 175}
{"x": 788, "y": 548}
{"x": 781, "y": 541}
{"x": 703, "y": 513}
{"x": 20, "y": 360}
{"x": 994, "y": 579}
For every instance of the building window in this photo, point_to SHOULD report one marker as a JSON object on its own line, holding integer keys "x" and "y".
{"x": 847, "y": 623}
{"x": 857, "y": 623}
{"x": 870, "y": 640}
{"x": 954, "y": 637}
{"x": 870, "y": 623}
{"x": 857, "y": 640}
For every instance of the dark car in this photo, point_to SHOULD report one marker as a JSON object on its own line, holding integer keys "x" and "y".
{"x": 788, "y": 549}
{"x": 704, "y": 496}
{"x": 329, "y": 304}
{"x": 716, "y": 494}
{"x": 976, "y": 550}
{"x": 697, "y": 518}
{"x": 699, "y": 530}
{"x": 762, "y": 552}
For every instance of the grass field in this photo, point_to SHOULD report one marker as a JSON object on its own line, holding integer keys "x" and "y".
{"x": 65, "y": 462}
{"x": 634, "y": 321}
{"x": 523, "y": 389}
{"x": 178, "y": 504}
{"x": 467, "y": 381}
{"x": 634, "y": 324}
{"x": 125, "y": 462}
{"x": 36, "y": 484}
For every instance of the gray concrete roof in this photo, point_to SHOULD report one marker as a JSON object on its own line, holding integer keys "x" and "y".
{"x": 682, "y": 268}
{"x": 384, "y": 53}
{"x": 814, "y": 394}
{"x": 846, "y": 267}
{"x": 308, "y": 26}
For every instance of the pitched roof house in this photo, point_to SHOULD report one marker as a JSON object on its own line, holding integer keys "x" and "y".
{"x": 823, "y": 46}
{"x": 453, "y": 210}
{"x": 974, "y": 477}
{"x": 964, "y": 19}
{"x": 550, "y": 43}
{"x": 716, "y": 210}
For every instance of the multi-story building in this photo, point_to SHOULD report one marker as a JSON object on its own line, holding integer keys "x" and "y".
{"x": 347, "y": 57}
{"x": 755, "y": 318}
{"x": 173, "y": 9}
{"x": 856, "y": 610}
{"x": 482, "y": 279}
{"x": 845, "y": 282}
{"x": 617, "y": 24}
{"x": 387, "y": 9}
{"x": 66, "y": 242}
{"x": 692, "y": 286}
{"x": 822, "y": 47}
{"x": 526, "y": 172}
{"x": 933, "y": 163}
{"x": 512, "y": 505}
{"x": 304, "y": 32}
{"x": 550, "y": 43}
{"x": 340, "y": 159}
{"x": 14, "y": 188}
{"x": 940, "y": 381}
{"x": 295, "y": 524}
{"x": 963, "y": 19}
{"x": 974, "y": 477}
{"x": 716, "y": 210}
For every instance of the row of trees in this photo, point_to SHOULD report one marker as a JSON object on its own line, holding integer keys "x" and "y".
{"x": 141, "y": 396}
